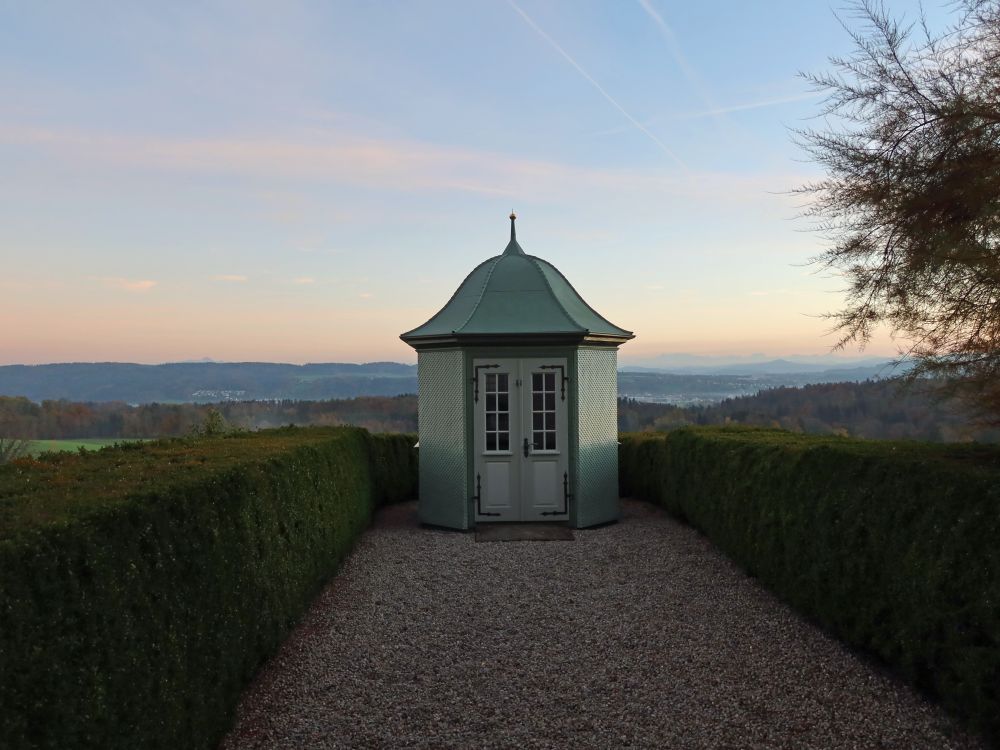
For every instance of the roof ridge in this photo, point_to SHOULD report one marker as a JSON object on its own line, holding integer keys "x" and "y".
{"x": 482, "y": 291}
{"x": 534, "y": 261}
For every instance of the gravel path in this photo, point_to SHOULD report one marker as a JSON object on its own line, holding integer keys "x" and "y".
{"x": 639, "y": 634}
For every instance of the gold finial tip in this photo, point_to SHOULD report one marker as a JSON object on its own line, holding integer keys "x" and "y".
{"x": 513, "y": 216}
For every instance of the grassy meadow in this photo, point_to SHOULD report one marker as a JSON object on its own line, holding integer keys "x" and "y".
{"x": 37, "y": 447}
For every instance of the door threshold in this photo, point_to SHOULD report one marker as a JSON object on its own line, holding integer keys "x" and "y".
{"x": 551, "y": 531}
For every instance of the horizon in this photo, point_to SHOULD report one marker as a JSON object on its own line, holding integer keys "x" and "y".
{"x": 720, "y": 359}
{"x": 303, "y": 183}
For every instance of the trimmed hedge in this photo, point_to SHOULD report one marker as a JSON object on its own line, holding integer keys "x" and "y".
{"x": 394, "y": 460}
{"x": 893, "y": 547}
{"x": 142, "y": 586}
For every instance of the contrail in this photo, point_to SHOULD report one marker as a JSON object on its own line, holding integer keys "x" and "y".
{"x": 711, "y": 112}
{"x": 596, "y": 85}
{"x": 749, "y": 105}
{"x": 675, "y": 51}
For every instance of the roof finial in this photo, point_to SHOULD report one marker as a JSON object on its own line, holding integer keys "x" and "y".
{"x": 512, "y": 217}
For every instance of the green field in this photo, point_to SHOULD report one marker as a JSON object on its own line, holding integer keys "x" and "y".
{"x": 90, "y": 444}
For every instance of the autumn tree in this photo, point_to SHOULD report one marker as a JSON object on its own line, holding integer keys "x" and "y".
{"x": 213, "y": 425}
{"x": 910, "y": 204}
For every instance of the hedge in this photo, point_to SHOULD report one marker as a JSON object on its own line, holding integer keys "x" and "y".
{"x": 893, "y": 547}
{"x": 394, "y": 460}
{"x": 142, "y": 586}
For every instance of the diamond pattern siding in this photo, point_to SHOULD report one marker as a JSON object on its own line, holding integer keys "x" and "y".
{"x": 596, "y": 486}
{"x": 443, "y": 457}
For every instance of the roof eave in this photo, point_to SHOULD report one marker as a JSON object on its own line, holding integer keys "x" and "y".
{"x": 615, "y": 339}
{"x": 437, "y": 341}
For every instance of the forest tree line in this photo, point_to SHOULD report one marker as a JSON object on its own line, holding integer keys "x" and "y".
{"x": 882, "y": 409}
{"x": 52, "y": 420}
{"x": 873, "y": 409}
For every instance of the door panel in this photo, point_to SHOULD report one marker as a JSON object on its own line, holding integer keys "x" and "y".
{"x": 497, "y": 486}
{"x": 545, "y": 486}
{"x": 521, "y": 447}
{"x": 495, "y": 422}
{"x": 543, "y": 412}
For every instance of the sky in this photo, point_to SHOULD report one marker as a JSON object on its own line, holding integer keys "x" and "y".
{"x": 303, "y": 181}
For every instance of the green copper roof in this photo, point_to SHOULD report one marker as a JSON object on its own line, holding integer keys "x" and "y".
{"x": 515, "y": 294}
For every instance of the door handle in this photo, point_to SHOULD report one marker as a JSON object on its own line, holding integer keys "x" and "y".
{"x": 526, "y": 448}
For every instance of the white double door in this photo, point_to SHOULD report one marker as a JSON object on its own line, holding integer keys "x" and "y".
{"x": 521, "y": 447}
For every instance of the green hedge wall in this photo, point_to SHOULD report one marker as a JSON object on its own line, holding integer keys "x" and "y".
{"x": 893, "y": 547}
{"x": 394, "y": 459}
{"x": 141, "y": 587}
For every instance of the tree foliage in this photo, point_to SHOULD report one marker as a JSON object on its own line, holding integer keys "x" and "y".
{"x": 69, "y": 419}
{"x": 880, "y": 410}
{"x": 213, "y": 425}
{"x": 911, "y": 149}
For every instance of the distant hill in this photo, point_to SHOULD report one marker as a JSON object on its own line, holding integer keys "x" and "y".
{"x": 205, "y": 382}
{"x": 846, "y": 370}
{"x": 730, "y": 381}
{"x": 872, "y": 409}
{"x": 753, "y": 364}
{"x": 211, "y": 382}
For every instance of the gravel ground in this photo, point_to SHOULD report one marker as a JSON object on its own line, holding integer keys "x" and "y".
{"x": 639, "y": 634}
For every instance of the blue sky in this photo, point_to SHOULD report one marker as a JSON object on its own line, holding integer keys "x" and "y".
{"x": 302, "y": 181}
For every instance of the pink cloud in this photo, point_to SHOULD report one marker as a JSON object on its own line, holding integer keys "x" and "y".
{"x": 398, "y": 164}
{"x": 130, "y": 285}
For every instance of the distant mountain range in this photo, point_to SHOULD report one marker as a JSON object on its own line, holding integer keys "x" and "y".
{"x": 686, "y": 379}
{"x": 758, "y": 364}
{"x": 205, "y": 382}
{"x": 208, "y": 382}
